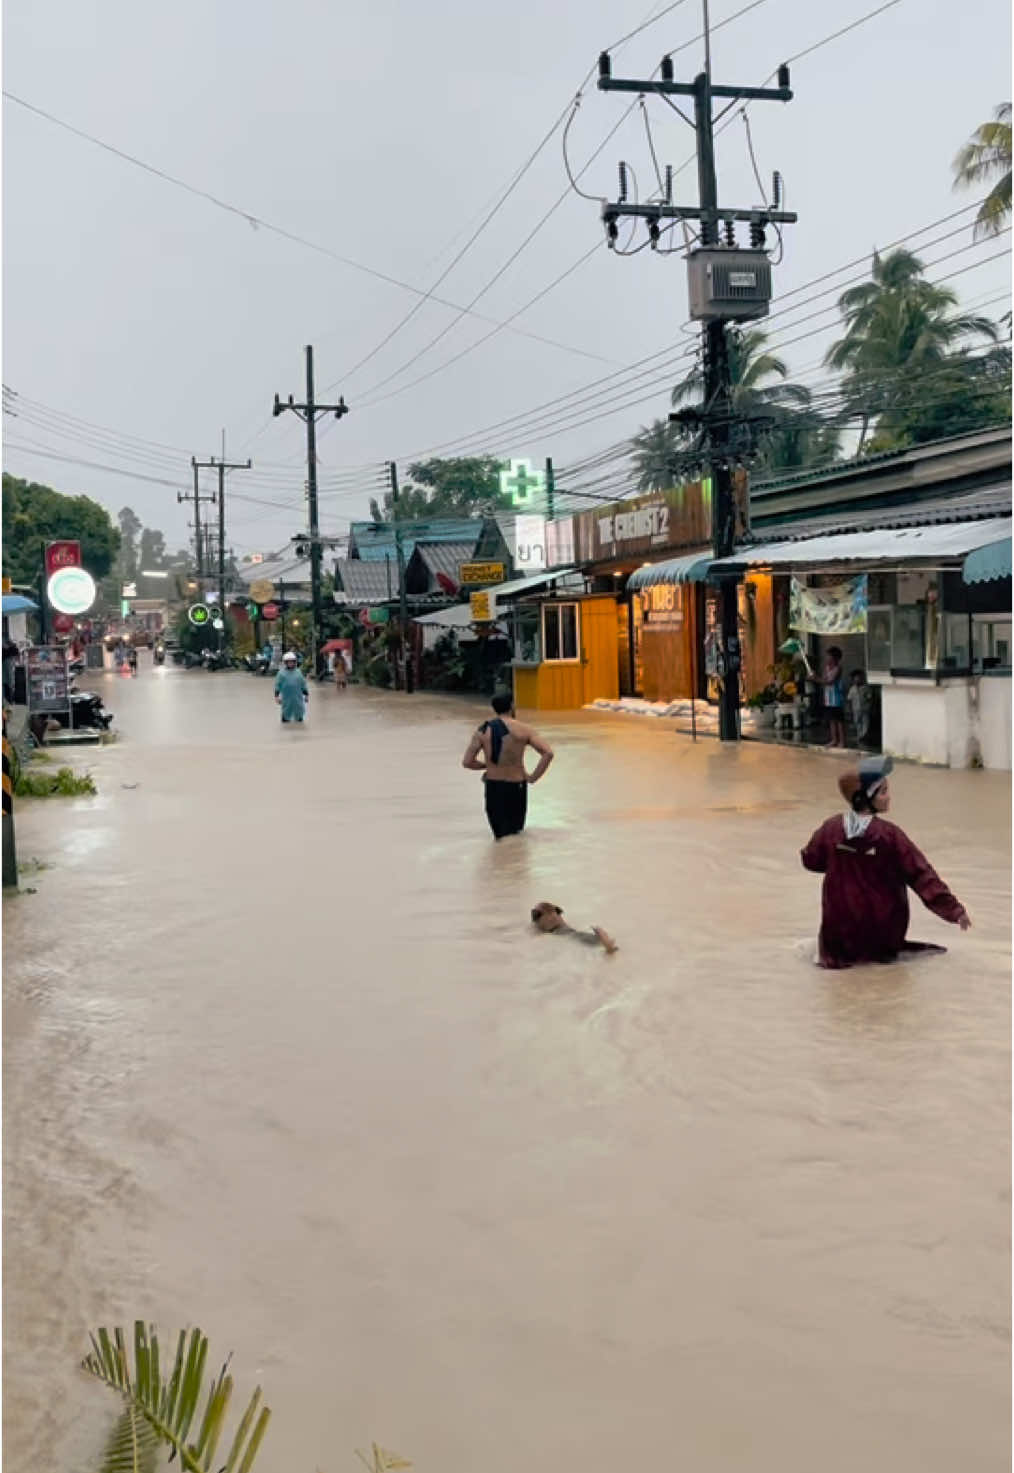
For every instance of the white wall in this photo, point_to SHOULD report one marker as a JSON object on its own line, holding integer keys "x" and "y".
{"x": 954, "y": 724}
{"x": 995, "y": 722}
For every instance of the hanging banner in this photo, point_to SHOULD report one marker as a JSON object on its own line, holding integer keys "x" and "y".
{"x": 837, "y": 608}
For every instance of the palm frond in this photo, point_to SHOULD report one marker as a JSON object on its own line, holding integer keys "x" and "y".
{"x": 382, "y": 1461}
{"x": 168, "y": 1404}
{"x": 133, "y": 1444}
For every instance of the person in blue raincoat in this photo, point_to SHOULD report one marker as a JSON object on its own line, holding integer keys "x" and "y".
{"x": 291, "y": 690}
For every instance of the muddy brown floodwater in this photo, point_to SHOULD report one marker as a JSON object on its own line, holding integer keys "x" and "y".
{"x": 284, "y": 1059}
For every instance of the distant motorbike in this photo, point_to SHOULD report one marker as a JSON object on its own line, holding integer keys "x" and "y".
{"x": 159, "y": 654}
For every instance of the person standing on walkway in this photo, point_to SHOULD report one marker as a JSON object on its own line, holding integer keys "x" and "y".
{"x": 497, "y": 750}
{"x": 868, "y": 866}
{"x": 834, "y": 696}
{"x": 291, "y": 689}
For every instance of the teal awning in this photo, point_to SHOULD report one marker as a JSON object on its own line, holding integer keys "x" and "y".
{"x": 987, "y": 563}
{"x": 690, "y": 569}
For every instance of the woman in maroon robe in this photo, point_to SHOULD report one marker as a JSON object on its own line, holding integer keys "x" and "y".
{"x": 868, "y": 864}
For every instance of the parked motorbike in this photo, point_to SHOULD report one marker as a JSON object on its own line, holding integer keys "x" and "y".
{"x": 87, "y": 710}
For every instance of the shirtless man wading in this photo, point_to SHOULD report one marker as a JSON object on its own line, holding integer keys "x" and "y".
{"x": 497, "y": 750}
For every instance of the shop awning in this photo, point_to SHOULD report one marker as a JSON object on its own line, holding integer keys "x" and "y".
{"x": 692, "y": 568}
{"x": 15, "y": 603}
{"x": 937, "y": 546}
{"x": 987, "y": 563}
{"x": 457, "y": 617}
{"x": 505, "y": 592}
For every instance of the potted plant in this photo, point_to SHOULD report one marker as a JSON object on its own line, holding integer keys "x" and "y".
{"x": 763, "y": 702}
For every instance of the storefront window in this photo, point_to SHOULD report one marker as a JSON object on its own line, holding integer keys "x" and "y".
{"x": 528, "y": 635}
{"x": 904, "y": 628}
{"x": 992, "y": 643}
{"x": 559, "y": 632}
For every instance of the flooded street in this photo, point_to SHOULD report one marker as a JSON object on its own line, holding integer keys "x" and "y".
{"x": 284, "y": 1059}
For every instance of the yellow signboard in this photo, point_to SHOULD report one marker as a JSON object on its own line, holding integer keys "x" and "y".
{"x": 481, "y": 606}
{"x": 481, "y": 573}
{"x": 7, "y": 585}
{"x": 262, "y": 591}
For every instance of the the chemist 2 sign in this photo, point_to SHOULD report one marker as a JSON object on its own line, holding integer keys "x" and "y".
{"x": 646, "y": 523}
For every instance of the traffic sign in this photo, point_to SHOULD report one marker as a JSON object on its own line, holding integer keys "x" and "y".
{"x": 481, "y": 573}
{"x": 262, "y": 591}
{"x": 63, "y": 623}
{"x": 198, "y": 614}
{"x": 219, "y": 624}
{"x": 214, "y": 611}
{"x": 270, "y": 612}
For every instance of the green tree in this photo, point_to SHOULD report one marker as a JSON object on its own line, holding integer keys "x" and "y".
{"x": 987, "y": 157}
{"x": 900, "y": 331}
{"x": 152, "y": 552}
{"x": 655, "y": 454}
{"x": 130, "y": 530}
{"x": 33, "y": 514}
{"x": 775, "y": 424}
{"x": 459, "y": 487}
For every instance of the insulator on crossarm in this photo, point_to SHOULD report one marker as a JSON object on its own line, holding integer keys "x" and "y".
{"x": 668, "y": 184}
{"x": 653, "y": 233}
{"x": 612, "y": 231}
{"x": 605, "y": 65}
{"x": 730, "y": 233}
{"x": 776, "y": 190}
{"x": 623, "y": 183}
{"x": 666, "y": 69}
{"x": 757, "y": 234}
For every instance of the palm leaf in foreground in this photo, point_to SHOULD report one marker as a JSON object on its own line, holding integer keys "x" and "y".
{"x": 381, "y": 1460}
{"x": 133, "y": 1445}
{"x": 169, "y": 1404}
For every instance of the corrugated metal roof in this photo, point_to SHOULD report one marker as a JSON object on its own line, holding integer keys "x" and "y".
{"x": 373, "y": 542}
{"x": 445, "y": 557}
{"x": 370, "y": 582}
{"x": 287, "y": 569}
{"x": 990, "y": 501}
{"x": 897, "y": 545}
{"x": 951, "y": 445}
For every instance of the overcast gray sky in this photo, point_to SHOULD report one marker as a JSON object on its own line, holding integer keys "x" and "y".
{"x": 380, "y": 132}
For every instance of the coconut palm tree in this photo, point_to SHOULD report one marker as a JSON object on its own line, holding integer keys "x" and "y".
{"x": 656, "y": 455}
{"x": 898, "y": 327}
{"x": 775, "y": 423}
{"x": 985, "y": 157}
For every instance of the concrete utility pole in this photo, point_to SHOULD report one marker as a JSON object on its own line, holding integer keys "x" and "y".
{"x": 399, "y": 546}
{"x": 308, "y": 413}
{"x": 714, "y": 288}
{"x": 196, "y": 497}
{"x": 221, "y": 466}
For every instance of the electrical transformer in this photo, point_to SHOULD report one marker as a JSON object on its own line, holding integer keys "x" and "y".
{"x": 727, "y": 283}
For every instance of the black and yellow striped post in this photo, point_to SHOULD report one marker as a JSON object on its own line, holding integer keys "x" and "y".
{"x": 10, "y": 858}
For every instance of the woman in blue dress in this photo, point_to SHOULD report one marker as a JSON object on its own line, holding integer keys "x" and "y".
{"x": 291, "y": 690}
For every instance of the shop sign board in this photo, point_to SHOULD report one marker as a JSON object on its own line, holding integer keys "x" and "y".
{"x": 481, "y": 573}
{"x": 481, "y": 607}
{"x": 647, "y": 526}
{"x": 662, "y": 606}
{"x": 62, "y": 554}
{"x": 48, "y": 685}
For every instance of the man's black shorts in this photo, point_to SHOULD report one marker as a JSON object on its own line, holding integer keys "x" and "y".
{"x": 506, "y": 807}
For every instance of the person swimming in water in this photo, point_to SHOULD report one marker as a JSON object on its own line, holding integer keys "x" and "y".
{"x": 497, "y": 750}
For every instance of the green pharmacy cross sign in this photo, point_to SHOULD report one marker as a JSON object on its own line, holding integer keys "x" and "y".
{"x": 521, "y": 482}
{"x": 199, "y": 614}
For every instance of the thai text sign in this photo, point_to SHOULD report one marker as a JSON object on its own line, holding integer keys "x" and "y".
{"x": 62, "y": 555}
{"x": 662, "y": 606}
{"x": 481, "y": 573}
{"x": 481, "y": 608}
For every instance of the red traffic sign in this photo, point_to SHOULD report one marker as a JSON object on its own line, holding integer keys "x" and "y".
{"x": 270, "y": 612}
{"x": 63, "y": 623}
